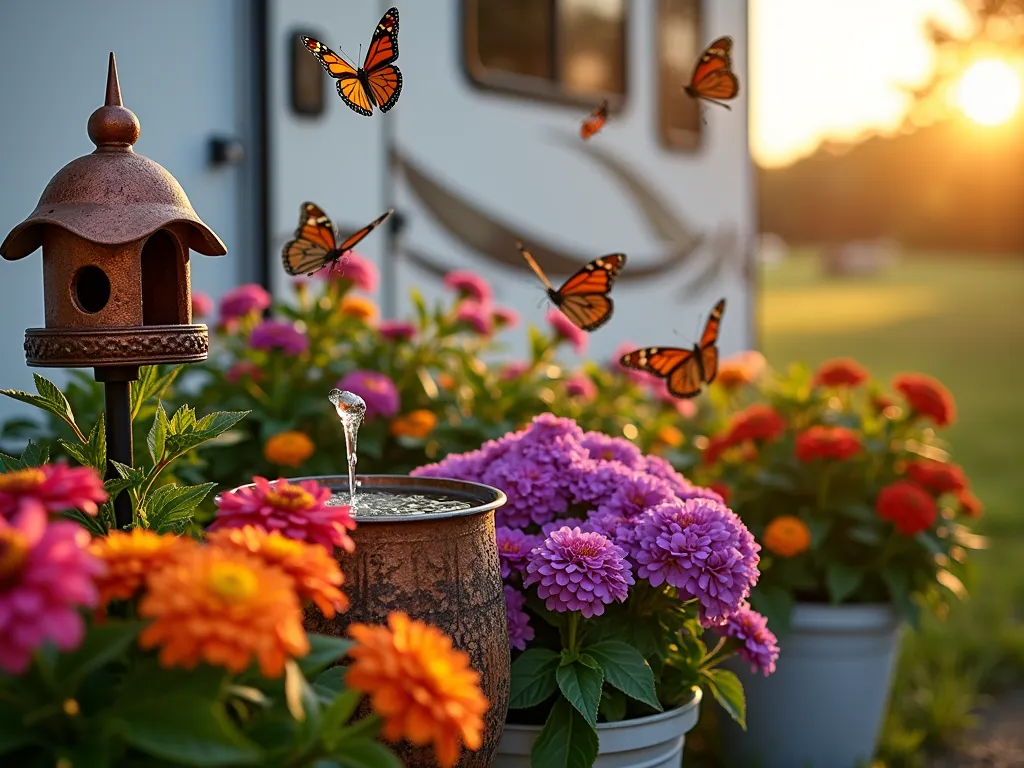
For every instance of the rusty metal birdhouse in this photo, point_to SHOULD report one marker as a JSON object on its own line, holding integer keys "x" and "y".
{"x": 116, "y": 230}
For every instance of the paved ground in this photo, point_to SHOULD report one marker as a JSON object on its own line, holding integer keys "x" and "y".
{"x": 997, "y": 743}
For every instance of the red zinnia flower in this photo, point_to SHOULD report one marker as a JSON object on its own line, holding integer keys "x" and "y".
{"x": 907, "y": 505}
{"x": 717, "y": 445}
{"x": 758, "y": 422}
{"x": 970, "y": 504}
{"x": 722, "y": 489}
{"x": 843, "y": 372}
{"x": 818, "y": 442}
{"x": 927, "y": 397}
{"x": 937, "y": 476}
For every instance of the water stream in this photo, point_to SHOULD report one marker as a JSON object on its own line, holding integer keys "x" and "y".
{"x": 351, "y": 408}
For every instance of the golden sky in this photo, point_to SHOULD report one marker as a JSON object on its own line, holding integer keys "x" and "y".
{"x": 831, "y": 69}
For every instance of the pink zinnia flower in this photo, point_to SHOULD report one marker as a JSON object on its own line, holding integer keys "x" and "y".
{"x": 476, "y": 315}
{"x": 759, "y": 646}
{"x": 50, "y": 488}
{"x": 505, "y": 317}
{"x": 519, "y": 630}
{"x": 243, "y": 369}
{"x": 396, "y": 330}
{"x": 513, "y": 370}
{"x": 242, "y": 301}
{"x": 376, "y": 389}
{"x": 565, "y": 329}
{"x": 279, "y": 334}
{"x": 469, "y": 284}
{"x": 358, "y": 269}
{"x": 298, "y": 511}
{"x": 577, "y": 571}
{"x": 202, "y": 305}
{"x": 514, "y": 548}
{"x": 582, "y": 386}
{"x": 46, "y": 575}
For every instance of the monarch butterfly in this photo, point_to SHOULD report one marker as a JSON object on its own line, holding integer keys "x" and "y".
{"x": 713, "y": 78}
{"x": 316, "y": 241}
{"x": 378, "y": 82}
{"x": 595, "y": 122}
{"x": 584, "y": 297}
{"x": 687, "y": 370}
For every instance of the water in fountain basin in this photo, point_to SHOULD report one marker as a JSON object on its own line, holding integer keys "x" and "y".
{"x": 351, "y": 408}
{"x": 399, "y": 503}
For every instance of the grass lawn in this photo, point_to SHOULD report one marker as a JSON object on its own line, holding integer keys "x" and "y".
{"x": 961, "y": 320}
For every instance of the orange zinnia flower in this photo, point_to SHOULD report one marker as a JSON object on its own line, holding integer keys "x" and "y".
{"x": 288, "y": 449}
{"x": 359, "y": 307}
{"x": 741, "y": 368}
{"x": 131, "y": 557}
{"x": 424, "y": 690}
{"x": 787, "y": 536}
{"x": 224, "y": 608}
{"x": 316, "y": 574}
{"x": 416, "y": 424}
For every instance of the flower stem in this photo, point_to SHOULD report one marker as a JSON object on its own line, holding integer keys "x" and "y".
{"x": 574, "y": 621}
{"x": 826, "y": 475}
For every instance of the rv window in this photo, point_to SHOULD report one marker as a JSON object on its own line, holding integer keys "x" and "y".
{"x": 563, "y": 50}
{"x": 679, "y": 46}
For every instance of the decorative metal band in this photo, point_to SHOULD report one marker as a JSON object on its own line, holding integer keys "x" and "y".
{"x": 101, "y": 347}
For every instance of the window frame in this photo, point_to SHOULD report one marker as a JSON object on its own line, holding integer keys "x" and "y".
{"x": 528, "y": 87}
{"x": 669, "y": 138}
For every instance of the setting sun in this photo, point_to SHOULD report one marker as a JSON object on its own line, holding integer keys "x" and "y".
{"x": 989, "y": 92}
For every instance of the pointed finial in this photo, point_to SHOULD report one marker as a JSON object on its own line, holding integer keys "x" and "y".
{"x": 112, "y": 127}
{"x": 113, "y": 89}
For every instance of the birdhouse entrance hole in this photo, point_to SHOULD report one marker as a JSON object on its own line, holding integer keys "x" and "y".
{"x": 160, "y": 276}
{"x": 91, "y": 289}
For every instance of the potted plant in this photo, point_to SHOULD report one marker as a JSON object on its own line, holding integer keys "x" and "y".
{"x": 862, "y": 517}
{"x": 167, "y": 645}
{"x": 625, "y": 588}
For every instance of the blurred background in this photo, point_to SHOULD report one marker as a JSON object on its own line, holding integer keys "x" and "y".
{"x": 864, "y": 197}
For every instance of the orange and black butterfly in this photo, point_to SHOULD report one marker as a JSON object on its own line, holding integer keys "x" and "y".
{"x": 687, "y": 370}
{"x": 713, "y": 78}
{"x": 595, "y": 122}
{"x": 316, "y": 241}
{"x": 585, "y": 297}
{"x": 378, "y": 82}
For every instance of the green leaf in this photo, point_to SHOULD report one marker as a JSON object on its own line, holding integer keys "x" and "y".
{"x": 169, "y": 507}
{"x": 183, "y": 437}
{"x": 866, "y": 533}
{"x": 98, "y": 446}
{"x": 50, "y": 399}
{"x": 613, "y": 705}
{"x": 220, "y": 421}
{"x": 157, "y": 438}
{"x": 899, "y": 590}
{"x": 324, "y": 650}
{"x": 776, "y": 604}
{"x": 842, "y": 581}
{"x": 183, "y": 419}
{"x": 728, "y": 691}
{"x": 819, "y": 530}
{"x": 567, "y": 740}
{"x": 580, "y": 682}
{"x": 102, "y": 644}
{"x": 35, "y": 455}
{"x": 338, "y": 713}
{"x": 13, "y": 733}
{"x": 533, "y": 677}
{"x": 367, "y": 754}
{"x": 626, "y": 669}
{"x": 150, "y": 384}
{"x": 76, "y": 450}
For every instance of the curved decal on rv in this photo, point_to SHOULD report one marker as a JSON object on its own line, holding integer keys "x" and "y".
{"x": 492, "y": 238}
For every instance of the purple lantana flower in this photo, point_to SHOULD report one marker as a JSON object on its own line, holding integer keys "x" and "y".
{"x": 577, "y": 571}
{"x": 519, "y": 630}
{"x": 565, "y": 329}
{"x": 396, "y": 330}
{"x": 513, "y": 549}
{"x": 469, "y": 284}
{"x": 701, "y": 548}
{"x": 759, "y": 646}
{"x": 279, "y": 334}
{"x": 376, "y": 389}
{"x": 242, "y": 300}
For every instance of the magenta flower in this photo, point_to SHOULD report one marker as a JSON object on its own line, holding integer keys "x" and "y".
{"x": 469, "y": 285}
{"x": 46, "y": 575}
{"x": 582, "y": 386}
{"x": 513, "y": 549}
{"x": 576, "y": 571}
{"x": 565, "y": 522}
{"x": 376, "y": 389}
{"x": 701, "y": 548}
{"x": 396, "y": 330}
{"x": 519, "y": 630}
{"x": 298, "y": 510}
{"x": 49, "y": 489}
{"x": 362, "y": 272}
{"x": 505, "y": 317}
{"x": 202, "y": 305}
{"x": 476, "y": 315}
{"x": 243, "y": 369}
{"x": 279, "y": 334}
{"x": 565, "y": 329}
{"x": 604, "y": 448}
{"x": 759, "y": 646}
{"x": 242, "y": 301}
{"x": 512, "y": 371}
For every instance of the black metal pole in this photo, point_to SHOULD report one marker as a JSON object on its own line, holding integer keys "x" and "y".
{"x": 117, "y": 395}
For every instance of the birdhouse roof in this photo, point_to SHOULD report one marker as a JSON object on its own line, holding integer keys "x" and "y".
{"x": 113, "y": 195}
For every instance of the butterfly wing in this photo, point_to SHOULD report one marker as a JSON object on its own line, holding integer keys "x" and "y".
{"x": 352, "y": 240}
{"x": 314, "y": 243}
{"x": 595, "y": 122}
{"x": 584, "y": 297}
{"x": 350, "y": 88}
{"x": 713, "y": 77}
{"x": 708, "y": 350}
{"x": 384, "y": 79}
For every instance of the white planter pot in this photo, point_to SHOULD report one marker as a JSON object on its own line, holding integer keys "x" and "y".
{"x": 647, "y": 742}
{"x": 824, "y": 705}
